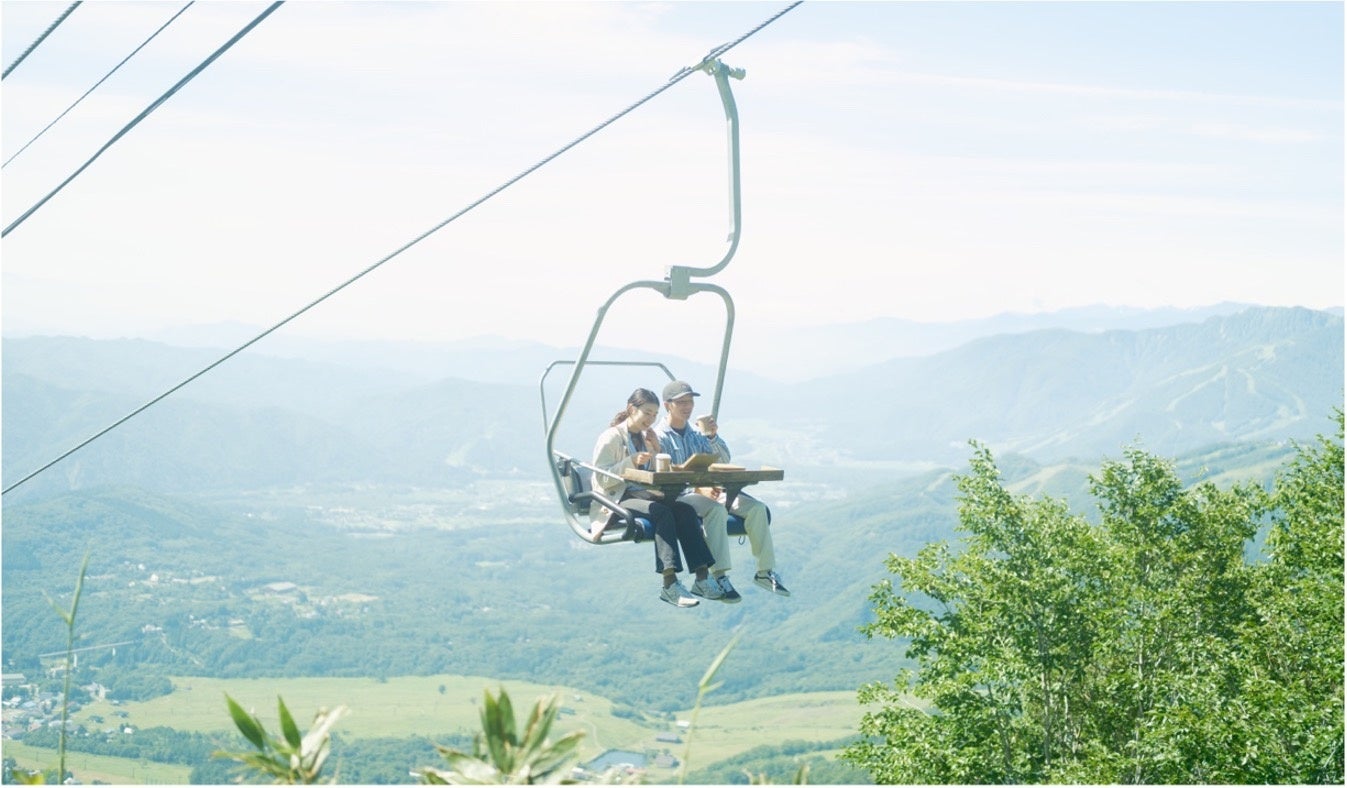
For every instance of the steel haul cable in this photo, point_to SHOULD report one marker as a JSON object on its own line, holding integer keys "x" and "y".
{"x": 41, "y": 38}
{"x": 96, "y": 84}
{"x": 145, "y": 113}
{"x": 675, "y": 79}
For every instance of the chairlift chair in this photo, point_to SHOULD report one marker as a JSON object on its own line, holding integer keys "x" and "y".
{"x": 572, "y": 477}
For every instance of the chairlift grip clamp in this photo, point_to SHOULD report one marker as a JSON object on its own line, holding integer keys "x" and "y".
{"x": 716, "y": 66}
{"x": 678, "y": 279}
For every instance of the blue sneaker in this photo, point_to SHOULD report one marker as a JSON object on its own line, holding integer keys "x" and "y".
{"x": 728, "y": 594}
{"x": 707, "y": 589}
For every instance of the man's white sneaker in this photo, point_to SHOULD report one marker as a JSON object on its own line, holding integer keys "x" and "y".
{"x": 772, "y": 582}
{"x": 678, "y": 596}
{"x": 707, "y": 589}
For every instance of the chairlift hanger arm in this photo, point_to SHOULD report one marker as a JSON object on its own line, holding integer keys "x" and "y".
{"x": 677, "y": 285}
{"x": 678, "y": 275}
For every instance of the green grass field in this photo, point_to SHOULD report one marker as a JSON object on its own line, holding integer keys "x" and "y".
{"x": 726, "y": 731}
{"x": 88, "y": 768}
{"x": 415, "y": 706}
{"x": 405, "y": 706}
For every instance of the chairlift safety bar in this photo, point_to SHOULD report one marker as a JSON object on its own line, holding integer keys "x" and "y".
{"x": 542, "y": 382}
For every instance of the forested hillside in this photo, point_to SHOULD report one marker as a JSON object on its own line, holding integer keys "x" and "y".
{"x": 380, "y": 583}
{"x": 483, "y": 581}
{"x": 1261, "y": 374}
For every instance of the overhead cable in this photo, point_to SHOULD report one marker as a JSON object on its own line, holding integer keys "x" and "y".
{"x": 675, "y": 79}
{"x": 99, "y": 82}
{"x": 137, "y": 119}
{"x": 41, "y": 38}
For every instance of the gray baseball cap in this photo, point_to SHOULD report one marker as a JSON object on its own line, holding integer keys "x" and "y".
{"x": 677, "y": 390}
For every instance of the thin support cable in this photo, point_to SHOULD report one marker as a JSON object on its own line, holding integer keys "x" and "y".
{"x": 41, "y": 38}
{"x": 96, "y": 84}
{"x": 137, "y": 119}
{"x": 675, "y": 79}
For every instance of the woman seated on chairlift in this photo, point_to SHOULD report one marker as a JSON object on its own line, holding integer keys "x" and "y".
{"x": 630, "y": 443}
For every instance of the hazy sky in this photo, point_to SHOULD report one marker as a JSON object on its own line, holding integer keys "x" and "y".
{"x": 930, "y": 161}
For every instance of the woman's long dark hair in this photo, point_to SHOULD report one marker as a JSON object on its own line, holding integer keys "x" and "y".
{"x": 638, "y": 398}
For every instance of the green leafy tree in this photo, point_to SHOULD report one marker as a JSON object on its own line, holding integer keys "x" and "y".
{"x": 1179, "y": 589}
{"x": 1295, "y": 641}
{"x": 1001, "y": 644}
{"x": 1142, "y": 649}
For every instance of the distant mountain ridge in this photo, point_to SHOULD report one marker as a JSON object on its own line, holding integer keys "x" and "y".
{"x": 1259, "y": 374}
{"x": 806, "y": 353}
{"x": 788, "y": 354}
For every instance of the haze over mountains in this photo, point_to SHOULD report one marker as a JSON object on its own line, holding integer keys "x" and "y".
{"x": 425, "y": 494}
{"x": 794, "y": 353}
{"x": 439, "y": 414}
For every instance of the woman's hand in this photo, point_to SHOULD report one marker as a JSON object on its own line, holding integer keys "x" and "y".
{"x": 651, "y": 448}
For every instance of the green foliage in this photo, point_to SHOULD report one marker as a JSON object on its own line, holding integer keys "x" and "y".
{"x": 784, "y": 763}
{"x": 505, "y": 753}
{"x": 214, "y": 772}
{"x": 16, "y": 776}
{"x": 1292, "y": 710}
{"x": 160, "y": 744}
{"x": 1143, "y": 649}
{"x": 291, "y": 759}
{"x": 133, "y": 683}
{"x": 369, "y": 761}
{"x": 387, "y": 761}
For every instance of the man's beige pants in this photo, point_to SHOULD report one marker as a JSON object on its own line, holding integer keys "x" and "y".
{"x": 715, "y": 524}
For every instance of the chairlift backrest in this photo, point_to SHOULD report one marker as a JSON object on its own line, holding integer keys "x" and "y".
{"x": 581, "y": 497}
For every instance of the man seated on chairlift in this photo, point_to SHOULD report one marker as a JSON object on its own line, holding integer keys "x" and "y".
{"x": 679, "y": 440}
